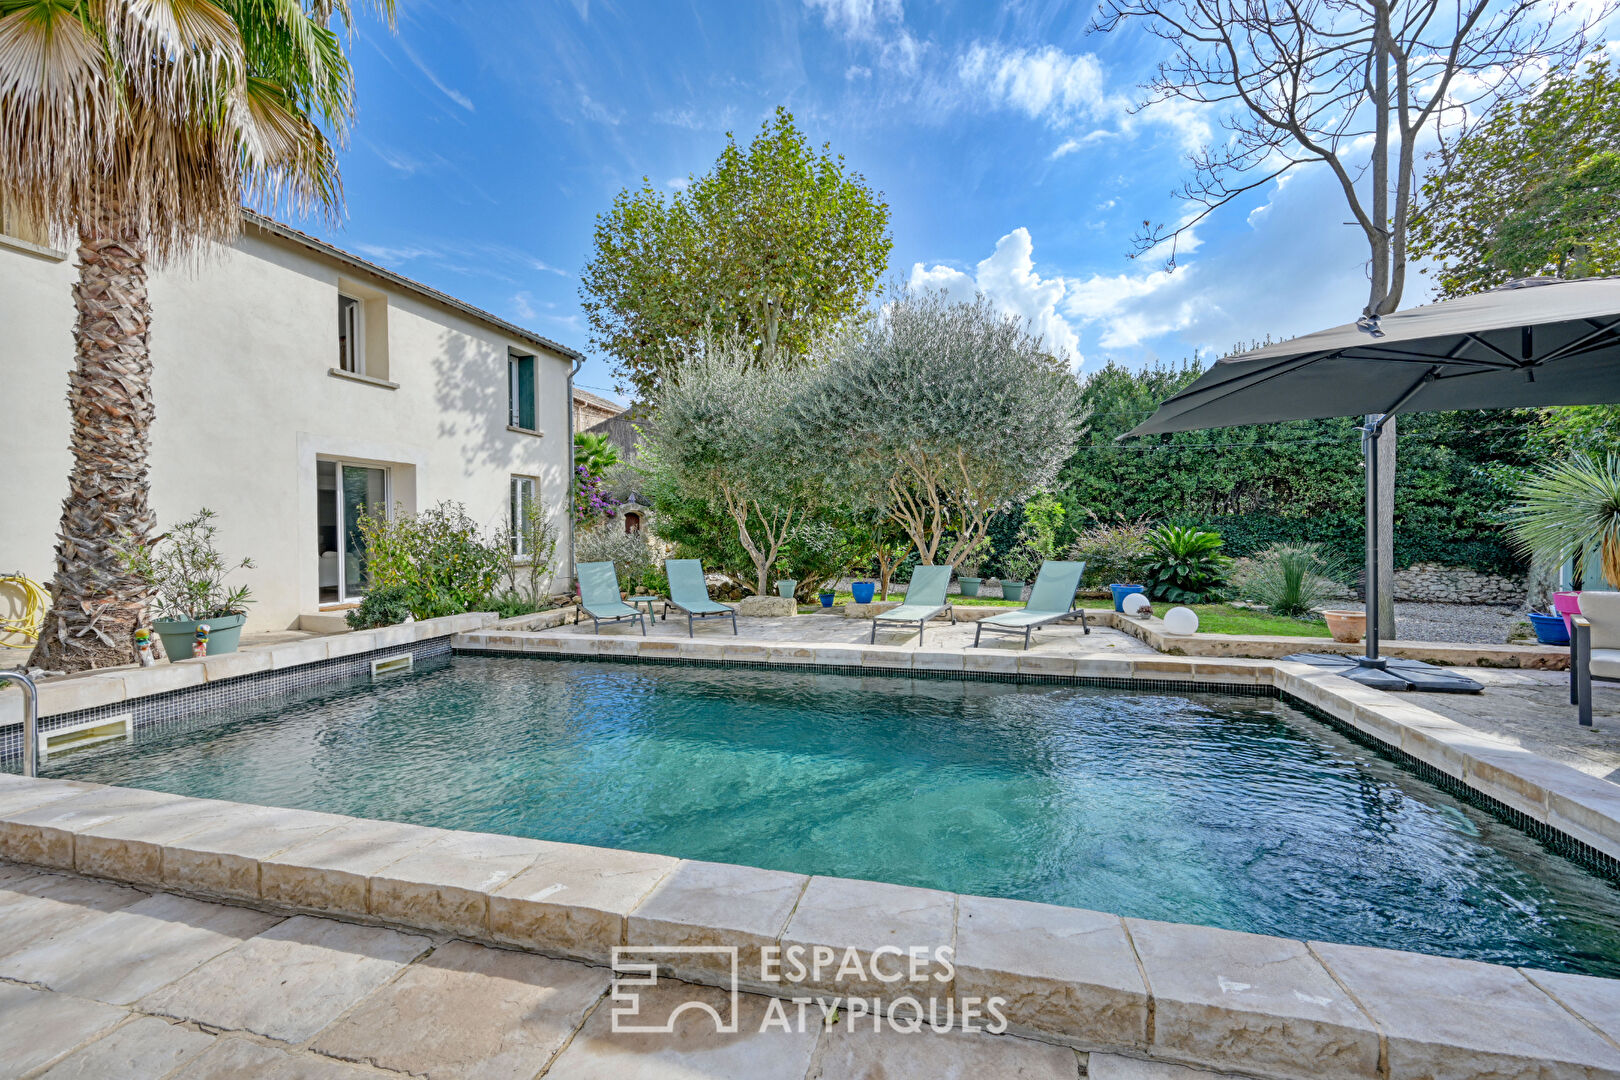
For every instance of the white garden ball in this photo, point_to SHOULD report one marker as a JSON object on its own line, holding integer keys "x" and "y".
{"x": 1136, "y": 603}
{"x": 1181, "y": 620}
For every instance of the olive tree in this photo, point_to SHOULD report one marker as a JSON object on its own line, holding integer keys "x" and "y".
{"x": 943, "y": 414}
{"x": 720, "y": 435}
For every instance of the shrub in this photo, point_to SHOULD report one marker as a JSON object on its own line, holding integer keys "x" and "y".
{"x": 1114, "y": 553}
{"x": 523, "y": 577}
{"x": 632, "y": 557}
{"x": 186, "y": 572}
{"x": 386, "y": 606}
{"x": 439, "y": 557}
{"x": 1186, "y": 565}
{"x": 1290, "y": 579}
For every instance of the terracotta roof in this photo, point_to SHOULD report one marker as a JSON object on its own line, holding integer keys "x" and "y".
{"x": 287, "y": 232}
{"x": 585, "y": 397}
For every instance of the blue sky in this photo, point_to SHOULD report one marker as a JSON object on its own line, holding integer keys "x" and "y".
{"x": 490, "y": 134}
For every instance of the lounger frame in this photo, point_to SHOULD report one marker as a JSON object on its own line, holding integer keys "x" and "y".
{"x": 1029, "y": 628}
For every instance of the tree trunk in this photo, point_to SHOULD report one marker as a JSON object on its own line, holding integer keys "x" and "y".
{"x": 96, "y": 604}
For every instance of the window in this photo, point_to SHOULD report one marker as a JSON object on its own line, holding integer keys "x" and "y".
{"x": 522, "y": 507}
{"x": 520, "y": 391}
{"x": 351, "y": 327}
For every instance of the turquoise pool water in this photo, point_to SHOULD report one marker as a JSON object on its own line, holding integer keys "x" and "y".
{"x": 1231, "y": 811}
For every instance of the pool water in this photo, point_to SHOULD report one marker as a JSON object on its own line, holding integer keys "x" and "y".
{"x": 1230, "y": 811}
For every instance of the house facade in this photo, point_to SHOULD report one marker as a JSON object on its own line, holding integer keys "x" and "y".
{"x": 298, "y": 387}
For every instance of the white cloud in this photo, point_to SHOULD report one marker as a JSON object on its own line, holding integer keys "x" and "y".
{"x": 856, "y": 18}
{"x": 523, "y": 304}
{"x": 1008, "y": 280}
{"x": 1046, "y": 84}
{"x": 679, "y": 183}
{"x": 448, "y": 91}
{"x": 856, "y": 71}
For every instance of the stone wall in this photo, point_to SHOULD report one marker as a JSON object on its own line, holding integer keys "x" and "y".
{"x": 1436, "y": 584}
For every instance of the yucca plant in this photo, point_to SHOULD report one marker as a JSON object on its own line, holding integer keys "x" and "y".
{"x": 1290, "y": 579}
{"x": 136, "y": 129}
{"x": 1186, "y": 565}
{"x": 1571, "y": 506}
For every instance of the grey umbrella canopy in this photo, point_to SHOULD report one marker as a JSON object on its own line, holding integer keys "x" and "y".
{"x": 1526, "y": 344}
{"x": 1530, "y": 343}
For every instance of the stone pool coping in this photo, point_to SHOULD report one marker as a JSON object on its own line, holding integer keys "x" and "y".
{"x": 1209, "y": 998}
{"x": 1551, "y": 800}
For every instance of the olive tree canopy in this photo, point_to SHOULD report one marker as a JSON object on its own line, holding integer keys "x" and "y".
{"x": 943, "y": 413}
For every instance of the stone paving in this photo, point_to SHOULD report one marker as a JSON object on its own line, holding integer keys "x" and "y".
{"x": 99, "y": 980}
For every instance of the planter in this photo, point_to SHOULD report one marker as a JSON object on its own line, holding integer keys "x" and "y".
{"x": 970, "y": 585}
{"x": 863, "y": 591}
{"x": 179, "y": 634}
{"x": 1121, "y": 592}
{"x": 1567, "y": 604}
{"x": 1347, "y": 627}
{"x": 785, "y": 587}
{"x": 1550, "y": 629}
{"x": 1012, "y": 590}
{"x": 827, "y": 599}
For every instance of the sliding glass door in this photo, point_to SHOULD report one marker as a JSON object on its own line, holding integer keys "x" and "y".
{"x": 346, "y": 494}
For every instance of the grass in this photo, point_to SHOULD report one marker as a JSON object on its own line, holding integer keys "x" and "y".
{"x": 1212, "y": 618}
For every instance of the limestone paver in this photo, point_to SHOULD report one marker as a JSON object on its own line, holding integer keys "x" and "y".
{"x": 130, "y": 847}
{"x": 905, "y": 922}
{"x": 446, "y": 884}
{"x": 18, "y": 793}
{"x": 126, "y": 954}
{"x": 855, "y": 1049}
{"x": 44, "y": 905}
{"x": 146, "y": 1048}
{"x": 1115, "y": 1067}
{"x": 469, "y": 1012}
{"x": 1246, "y": 1001}
{"x": 574, "y": 900}
{"x": 36, "y": 1026}
{"x": 1059, "y": 969}
{"x": 223, "y": 859}
{"x": 332, "y": 871}
{"x": 290, "y": 981}
{"x": 704, "y": 903}
{"x": 1446, "y": 1018}
{"x": 1597, "y": 1001}
{"x": 685, "y": 1043}
{"x": 239, "y": 1059}
{"x": 44, "y": 835}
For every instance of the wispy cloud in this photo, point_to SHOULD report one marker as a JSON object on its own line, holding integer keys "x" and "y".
{"x": 523, "y": 304}
{"x": 856, "y": 18}
{"x": 448, "y": 91}
{"x": 679, "y": 183}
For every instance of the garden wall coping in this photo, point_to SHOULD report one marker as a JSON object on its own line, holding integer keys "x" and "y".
{"x": 1199, "y": 996}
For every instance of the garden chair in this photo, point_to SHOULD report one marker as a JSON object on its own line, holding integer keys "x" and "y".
{"x": 689, "y": 593}
{"x": 1050, "y": 601}
{"x": 1594, "y": 648}
{"x": 599, "y": 597}
{"x": 925, "y": 598}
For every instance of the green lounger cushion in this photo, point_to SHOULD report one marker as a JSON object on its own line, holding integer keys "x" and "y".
{"x": 599, "y": 591}
{"x": 687, "y": 589}
{"x": 1051, "y": 598}
{"x": 925, "y": 595}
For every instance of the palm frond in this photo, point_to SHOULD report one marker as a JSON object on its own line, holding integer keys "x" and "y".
{"x": 1571, "y": 506}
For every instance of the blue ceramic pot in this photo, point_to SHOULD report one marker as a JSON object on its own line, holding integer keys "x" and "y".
{"x": 1121, "y": 592}
{"x": 863, "y": 591}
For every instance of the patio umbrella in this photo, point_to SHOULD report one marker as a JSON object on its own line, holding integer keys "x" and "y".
{"x": 1526, "y": 344}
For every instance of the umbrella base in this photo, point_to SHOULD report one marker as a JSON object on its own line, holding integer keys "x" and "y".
{"x": 1391, "y": 673}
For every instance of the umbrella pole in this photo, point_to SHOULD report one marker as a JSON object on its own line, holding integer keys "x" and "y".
{"x": 1369, "y": 446}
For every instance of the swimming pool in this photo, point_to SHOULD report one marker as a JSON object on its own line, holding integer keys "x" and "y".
{"x": 1226, "y": 810}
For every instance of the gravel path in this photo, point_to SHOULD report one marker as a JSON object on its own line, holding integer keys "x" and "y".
{"x": 1480, "y": 624}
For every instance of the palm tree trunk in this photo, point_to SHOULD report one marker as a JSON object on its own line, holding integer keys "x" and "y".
{"x": 96, "y": 604}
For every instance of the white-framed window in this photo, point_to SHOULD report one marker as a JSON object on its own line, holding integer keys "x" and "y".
{"x": 351, "y": 335}
{"x": 523, "y": 496}
{"x": 520, "y": 391}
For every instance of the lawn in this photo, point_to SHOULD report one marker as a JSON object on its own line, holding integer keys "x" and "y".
{"x": 1212, "y": 618}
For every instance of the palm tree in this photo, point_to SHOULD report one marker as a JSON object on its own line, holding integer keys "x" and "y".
{"x": 139, "y": 128}
{"x": 1572, "y": 507}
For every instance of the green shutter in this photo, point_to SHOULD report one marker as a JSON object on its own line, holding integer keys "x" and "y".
{"x": 525, "y": 409}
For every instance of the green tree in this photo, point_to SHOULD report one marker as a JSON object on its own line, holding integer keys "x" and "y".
{"x": 944, "y": 414}
{"x": 778, "y": 244}
{"x": 1532, "y": 190}
{"x": 138, "y": 130}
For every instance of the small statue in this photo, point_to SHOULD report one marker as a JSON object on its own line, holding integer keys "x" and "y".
{"x": 199, "y": 647}
{"x": 143, "y": 647}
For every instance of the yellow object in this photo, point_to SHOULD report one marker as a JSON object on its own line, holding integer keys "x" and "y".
{"x": 23, "y": 602}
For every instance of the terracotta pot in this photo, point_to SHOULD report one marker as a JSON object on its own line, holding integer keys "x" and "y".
{"x": 1346, "y": 626}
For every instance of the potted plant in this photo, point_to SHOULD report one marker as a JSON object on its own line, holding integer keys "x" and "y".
{"x": 827, "y": 597}
{"x": 1023, "y": 562}
{"x": 1572, "y": 508}
{"x": 186, "y": 574}
{"x": 863, "y": 591}
{"x": 967, "y": 578}
{"x": 785, "y": 587}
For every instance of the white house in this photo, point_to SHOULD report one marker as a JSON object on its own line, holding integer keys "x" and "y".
{"x": 297, "y": 387}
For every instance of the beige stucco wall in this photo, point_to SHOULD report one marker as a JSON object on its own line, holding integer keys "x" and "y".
{"x": 242, "y": 345}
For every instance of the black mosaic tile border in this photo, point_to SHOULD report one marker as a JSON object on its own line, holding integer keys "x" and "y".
{"x": 1555, "y": 840}
{"x": 225, "y": 698}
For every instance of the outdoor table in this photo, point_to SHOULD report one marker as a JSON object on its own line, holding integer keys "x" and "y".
{"x": 637, "y": 601}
